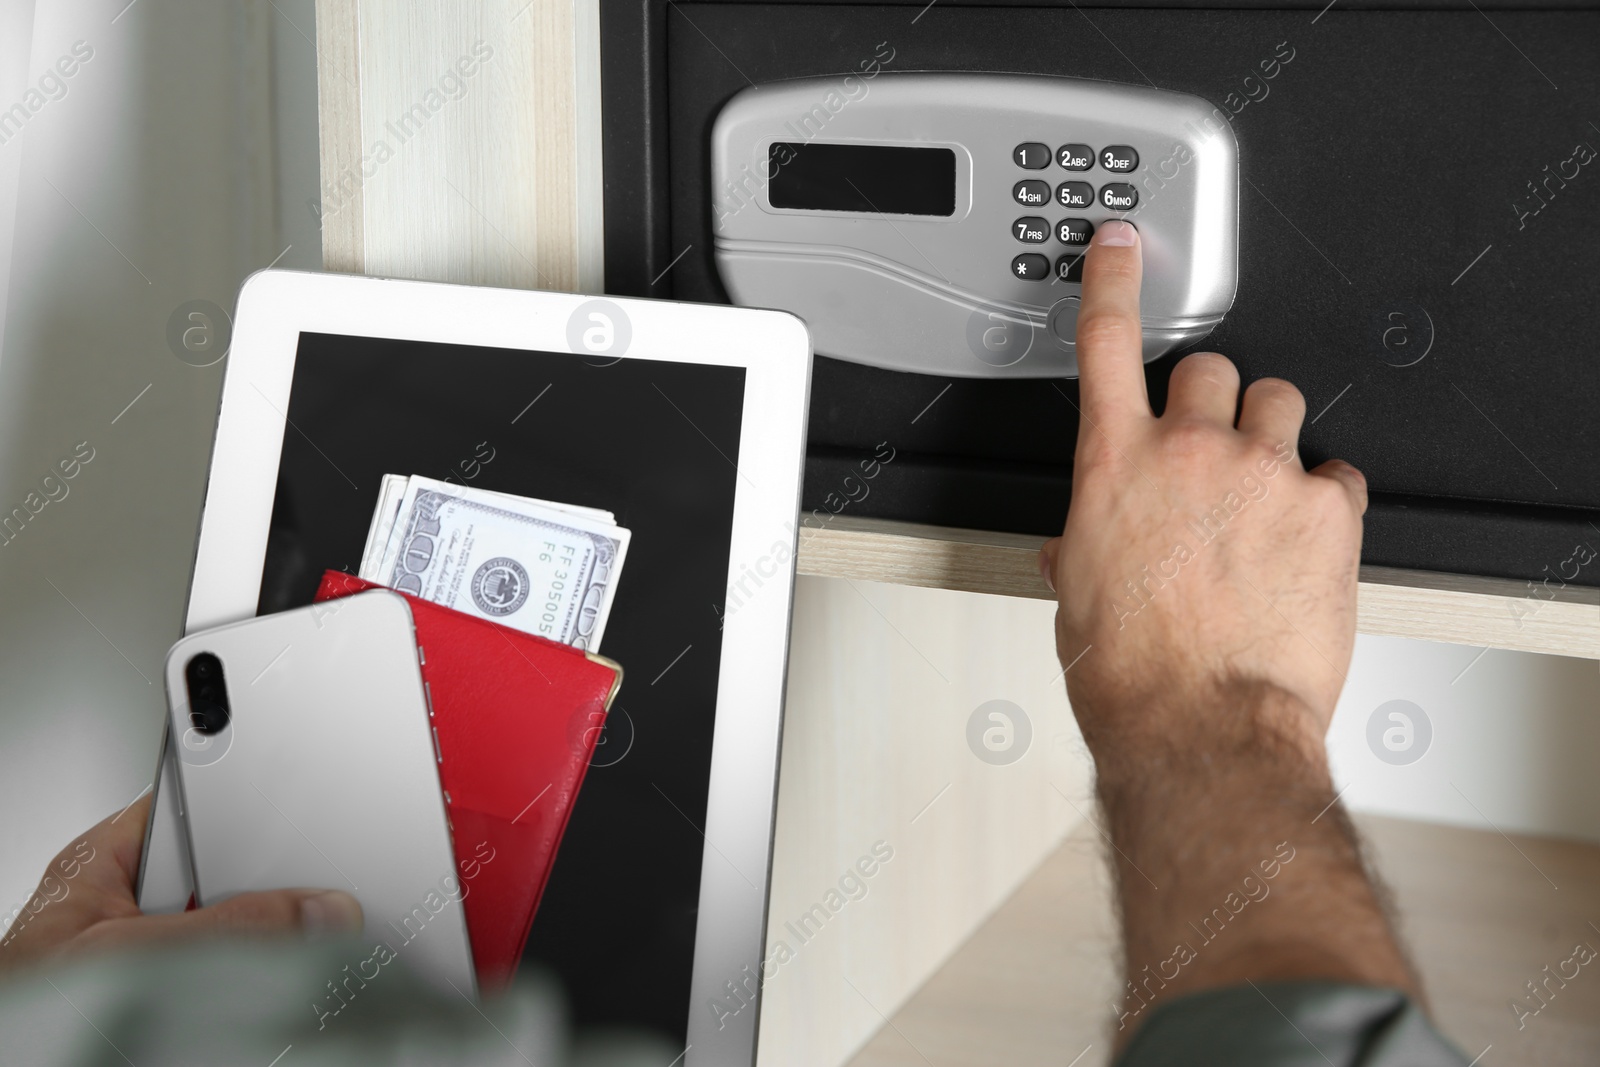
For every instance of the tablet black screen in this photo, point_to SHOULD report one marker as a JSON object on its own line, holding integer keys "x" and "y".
{"x": 653, "y": 442}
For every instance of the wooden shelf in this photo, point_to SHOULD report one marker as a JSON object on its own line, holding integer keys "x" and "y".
{"x": 1460, "y": 609}
{"x": 1034, "y": 984}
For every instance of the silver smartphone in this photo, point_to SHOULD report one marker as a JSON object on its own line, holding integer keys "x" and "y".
{"x": 305, "y": 756}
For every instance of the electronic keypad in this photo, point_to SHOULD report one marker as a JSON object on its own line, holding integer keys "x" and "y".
{"x": 937, "y": 222}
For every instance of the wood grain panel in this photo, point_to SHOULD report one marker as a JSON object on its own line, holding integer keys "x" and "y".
{"x": 453, "y": 145}
{"x": 339, "y": 130}
{"x": 1461, "y": 609}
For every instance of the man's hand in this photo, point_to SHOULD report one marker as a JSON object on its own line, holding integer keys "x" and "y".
{"x": 85, "y": 903}
{"x": 1199, "y": 556}
{"x": 1207, "y": 588}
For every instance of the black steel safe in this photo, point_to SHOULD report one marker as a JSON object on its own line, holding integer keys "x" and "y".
{"x": 1418, "y": 177}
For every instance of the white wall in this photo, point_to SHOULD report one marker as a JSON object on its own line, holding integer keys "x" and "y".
{"x": 148, "y": 184}
{"x": 1515, "y": 737}
{"x": 16, "y": 40}
{"x": 297, "y": 169}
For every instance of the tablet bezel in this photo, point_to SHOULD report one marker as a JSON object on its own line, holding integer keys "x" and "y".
{"x": 773, "y": 348}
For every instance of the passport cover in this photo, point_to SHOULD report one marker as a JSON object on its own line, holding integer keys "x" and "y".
{"x": 516, "y": 718}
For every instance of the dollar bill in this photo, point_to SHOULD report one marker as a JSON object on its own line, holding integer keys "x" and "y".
{"x": 546, "y": 569}
{"x": 393, "y": 490}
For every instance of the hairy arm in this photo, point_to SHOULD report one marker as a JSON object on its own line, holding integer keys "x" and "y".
{"x": 1235, "y": 865}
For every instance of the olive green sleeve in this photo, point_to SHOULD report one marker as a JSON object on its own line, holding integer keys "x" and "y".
{"x": 1291, "y": 1024}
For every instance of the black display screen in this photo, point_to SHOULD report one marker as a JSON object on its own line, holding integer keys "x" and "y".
{"x": 652, "y": 441}
{"x": 882, "y": 179}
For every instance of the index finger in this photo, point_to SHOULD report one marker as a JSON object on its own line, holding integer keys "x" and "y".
{"x": 1110, "y": 342}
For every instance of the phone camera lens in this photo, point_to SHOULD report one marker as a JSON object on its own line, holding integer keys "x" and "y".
{"x": 208, "y": 693}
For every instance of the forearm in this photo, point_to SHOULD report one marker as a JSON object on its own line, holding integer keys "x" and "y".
{"x": 1233, "y": 862}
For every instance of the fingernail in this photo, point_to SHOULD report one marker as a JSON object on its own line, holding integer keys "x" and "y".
{"x": 1116, "y": 234}
{"x": 1044, "y": 572}
{"x": 329, "y": 914}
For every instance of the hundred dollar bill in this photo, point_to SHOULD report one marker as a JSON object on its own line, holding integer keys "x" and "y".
{"x": 517, "y": 562}
{"x": 393, "y": 489}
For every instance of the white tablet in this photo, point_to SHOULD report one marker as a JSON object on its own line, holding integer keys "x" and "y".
{"x": 687, "y": 423}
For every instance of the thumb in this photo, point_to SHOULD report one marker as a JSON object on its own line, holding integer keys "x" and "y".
{"x": 307, "y": 913}
{"x": 1047, "y": 561}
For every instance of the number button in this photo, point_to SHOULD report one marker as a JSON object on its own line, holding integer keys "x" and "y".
{"x": 1032, "y": 193}
{"x": 1120, "y": 158}
{"x": 1074, "y": 194}
{"x": 1033, "y": 230}
{"x": 1075, "y": 157}
{"x": 1074, "y": 231}
{"x": 1119, "y": 196}
{"x": 1069, "y": 268}
{"x": 1030, "y": 266}
{"x": 1031, "y": 155}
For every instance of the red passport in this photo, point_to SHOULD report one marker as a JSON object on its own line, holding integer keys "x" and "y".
{"x": 517, "y": 718}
